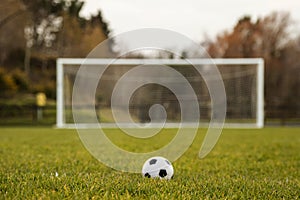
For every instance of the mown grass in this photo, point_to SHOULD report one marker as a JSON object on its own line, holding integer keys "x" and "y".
{"x": 245, "y": 164}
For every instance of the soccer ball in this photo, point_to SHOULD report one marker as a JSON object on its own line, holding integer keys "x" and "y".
{"x": 158, "y": 167}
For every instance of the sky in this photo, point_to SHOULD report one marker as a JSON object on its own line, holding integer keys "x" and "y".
{"x": 192, "y": 18}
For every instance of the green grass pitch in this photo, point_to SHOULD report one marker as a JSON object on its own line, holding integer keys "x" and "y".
{"x": 245, "y": 164}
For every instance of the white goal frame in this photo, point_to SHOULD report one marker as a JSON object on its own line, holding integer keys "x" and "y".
{"x": 259, "y": 62}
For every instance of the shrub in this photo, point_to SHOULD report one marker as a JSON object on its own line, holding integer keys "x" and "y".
{"x": 8, "y": 86}
{"x": 21, "y": 80}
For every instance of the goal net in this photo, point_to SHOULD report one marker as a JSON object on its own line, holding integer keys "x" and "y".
{"x": 163, "y": 90}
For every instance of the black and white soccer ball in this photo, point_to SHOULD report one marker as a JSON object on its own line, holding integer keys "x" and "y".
{"x": 158, "y": 167}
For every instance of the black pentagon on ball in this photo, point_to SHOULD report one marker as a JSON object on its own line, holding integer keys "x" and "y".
{"x": 162, "y": 173}
{"x": 152, "y": 162}
{"x": 147, "y": 175}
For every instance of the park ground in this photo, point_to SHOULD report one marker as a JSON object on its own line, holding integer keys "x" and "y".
{"x": 48, "y": 163}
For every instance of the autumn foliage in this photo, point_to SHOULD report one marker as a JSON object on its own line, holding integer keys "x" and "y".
{"x": 272, "y": 39}
{"x": 33, "y": 33}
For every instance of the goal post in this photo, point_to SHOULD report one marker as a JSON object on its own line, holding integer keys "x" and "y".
{"x": 243, "y": 81}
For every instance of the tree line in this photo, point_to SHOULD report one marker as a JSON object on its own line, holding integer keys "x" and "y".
{"x": 272, "y": 38}
{"x": 33, "y": 33}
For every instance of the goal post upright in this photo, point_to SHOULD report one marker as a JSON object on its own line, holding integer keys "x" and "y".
{"x": 59, "y": 94}
{"x": 260, "y": 94}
